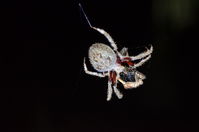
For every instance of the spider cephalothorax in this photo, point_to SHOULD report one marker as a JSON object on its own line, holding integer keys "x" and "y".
{"x": 118, "y": 66}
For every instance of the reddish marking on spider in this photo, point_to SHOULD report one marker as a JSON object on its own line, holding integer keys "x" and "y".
{"x": 124, "y": 61}
{"x": 113, "y": 75}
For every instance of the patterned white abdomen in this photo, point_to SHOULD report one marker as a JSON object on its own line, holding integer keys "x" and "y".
{"x": 102, "y": 57}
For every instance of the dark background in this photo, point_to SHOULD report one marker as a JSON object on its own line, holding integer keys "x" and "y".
{"x": 43, "y": 85}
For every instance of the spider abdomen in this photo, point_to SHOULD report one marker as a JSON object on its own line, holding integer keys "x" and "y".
{"x": 102, "y": 57}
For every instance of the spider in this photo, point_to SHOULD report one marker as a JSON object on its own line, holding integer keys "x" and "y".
{"x": 118, "y": 66}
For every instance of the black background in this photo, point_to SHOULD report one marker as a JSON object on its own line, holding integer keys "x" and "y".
{"x": 44, "y": 88}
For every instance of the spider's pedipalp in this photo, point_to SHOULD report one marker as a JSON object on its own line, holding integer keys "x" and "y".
{"x": 92, "y": 73}
{"x": 113, "y": 78}
{"x": 142, "y": 55}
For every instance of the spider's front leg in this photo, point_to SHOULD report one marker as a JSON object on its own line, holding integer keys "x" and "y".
{"x": 142, "y": 55}
{"x": 124, "y": 52}
{"x": 92, "y": 73}
{"x": 142, "y": 61}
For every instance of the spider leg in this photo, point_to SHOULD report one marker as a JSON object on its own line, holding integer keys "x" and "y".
{"x": 142, "y": 55}
{"x": 92, "y": 73}
{"x": 113, "y": 79}
{"x": 124, "y": 52}
{"x": 142, "y": 61}
{"x": 109, "y": 91}
{"x": 109, "y": 38}
{"x": 117, "y": 92}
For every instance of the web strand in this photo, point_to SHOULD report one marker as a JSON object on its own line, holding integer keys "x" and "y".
{"x": 85, "y": 15}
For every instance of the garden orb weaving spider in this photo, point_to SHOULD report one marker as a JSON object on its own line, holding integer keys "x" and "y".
{"x": 118, "y": 66}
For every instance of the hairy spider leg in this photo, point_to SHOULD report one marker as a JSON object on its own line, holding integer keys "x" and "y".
{"x": 92, "y": 73}
{"x": 117, "y": 92}
{"x": 142, "y": 55}
{"x": 109, "y": 90}
{"x": 108, "y": 37}
{"x": 124, "y": 51}
{"x": 142, "y": 61}
{"x": 113, "y": 79}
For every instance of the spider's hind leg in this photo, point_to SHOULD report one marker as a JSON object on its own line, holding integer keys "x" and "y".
{"x": 117, "y": 92}
{"x": 109, "y": 91}
{"x": 108, "y": 36}
{"x": 110, "y": 39}
{"x": 142, "y": 55}
{"x": 113, "y": 79}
